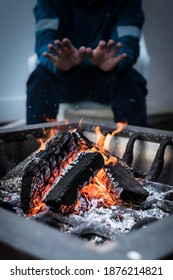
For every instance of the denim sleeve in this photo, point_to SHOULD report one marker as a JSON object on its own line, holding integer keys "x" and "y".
{"x": 47, "y": 30}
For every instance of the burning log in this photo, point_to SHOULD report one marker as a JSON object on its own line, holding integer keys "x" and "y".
{"x": 48, "y": 165}
{"x": 132, "y": 190}
{"x": 80, "y": 172}
{"x": 69, "y": 162}
{"x": 44, "y": 168}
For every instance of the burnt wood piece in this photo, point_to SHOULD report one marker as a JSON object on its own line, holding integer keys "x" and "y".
{"x": 45, "y": 167}
{"x": 78, "y": 136}
{"x": 7, "y": 206}
{"x": 158, "y": 162}
{"x": 79, "y": 173}
{"x": 166, "y": 206}
{"x": 123, "y": 173}
{"x": 169, "y": 196}
{"x": 132, "y": 191}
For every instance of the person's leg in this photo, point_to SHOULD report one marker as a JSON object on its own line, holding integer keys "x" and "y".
{"x": 40, "y": 96}
{"x": 128, "y": 102}
{"x": 46, "y": 90}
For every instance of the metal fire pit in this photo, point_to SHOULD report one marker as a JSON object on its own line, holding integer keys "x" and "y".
{"x": 27, "y": 239}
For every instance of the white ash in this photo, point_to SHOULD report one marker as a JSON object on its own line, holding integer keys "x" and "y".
{"x": 11, "y": 185}
{"x": 115, "y": 221}
{"x": 121, "y": 218}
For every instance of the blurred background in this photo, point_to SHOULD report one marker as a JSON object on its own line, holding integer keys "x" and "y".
{"x": 17, "y": 45}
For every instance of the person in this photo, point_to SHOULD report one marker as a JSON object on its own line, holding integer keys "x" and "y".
{"x": 86, "y": 50}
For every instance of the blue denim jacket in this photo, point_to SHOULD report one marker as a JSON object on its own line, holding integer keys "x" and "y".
{"x": 86, "y": 23}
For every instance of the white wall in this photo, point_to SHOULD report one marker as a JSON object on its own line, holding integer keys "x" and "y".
{"x": 158, "y": 30}
{"x": 17, "y": 44}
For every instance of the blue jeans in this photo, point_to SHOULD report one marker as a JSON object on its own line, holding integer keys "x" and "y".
{"x": 125, "y": 92}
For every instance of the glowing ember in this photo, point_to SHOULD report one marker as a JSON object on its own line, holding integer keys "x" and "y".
{"x": 100, "y": 188}
{"x": 50, "y": 119}
{"x": 47, "y": 135}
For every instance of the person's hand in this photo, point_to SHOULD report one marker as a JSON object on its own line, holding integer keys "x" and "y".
{"x": 105, "y": 55}
{"x": 64, "y": 55}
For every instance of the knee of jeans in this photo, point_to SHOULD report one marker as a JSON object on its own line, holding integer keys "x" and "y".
{"x": 39, "y": 75}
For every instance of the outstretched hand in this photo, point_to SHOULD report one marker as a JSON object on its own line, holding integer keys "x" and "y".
{"x": 105, "y": 55}
{"x": 64, "y": 55}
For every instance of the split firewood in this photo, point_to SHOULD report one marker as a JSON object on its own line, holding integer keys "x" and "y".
{"x": 78, "y": 174}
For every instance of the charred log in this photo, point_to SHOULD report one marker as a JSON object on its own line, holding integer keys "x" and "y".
{"x": 169, "y": 196}
{"x": 78, "y": 136}
{"x": 166, "y": 206}
{"x": 41, "y": 172}
{"x": 7, "y": 206}
{"x": 47, "y": 171}
{"x": 132, "y": 191}
{"x": 80, "y": 172}
{"x": 45, "y": 167}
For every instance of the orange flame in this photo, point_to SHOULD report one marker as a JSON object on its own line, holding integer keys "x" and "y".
{"x": 47, "y": 134}
{"x": 66, "y": 121}
{"x": 42, "y": 145}
{"x": 50, "y": 119}
{"x": 100, "y": 137}
{"x": 80, "y": 123}
{"x": 103, "y": 142}
{"x": 120, "y": 126}
{"x": 99, "y": 189}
